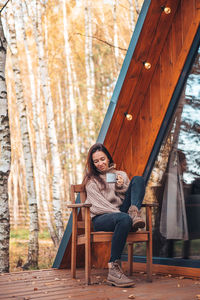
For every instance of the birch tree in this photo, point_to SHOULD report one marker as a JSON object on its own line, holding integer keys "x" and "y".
{"x": 89, "y": 66}
{"x": 33, "y": 245}
{"x": 137, "y": 6}
{"x": 72, "y": 103}
{"x": 41, "y": 180}
{"x": 5, "y": 152}
{"x": 33, "y": 9}
{"x": 132, "y": 23}
{"x": 115, "y": 3}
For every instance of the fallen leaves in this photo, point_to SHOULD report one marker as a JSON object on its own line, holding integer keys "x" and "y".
{"x": 131, "y": 296}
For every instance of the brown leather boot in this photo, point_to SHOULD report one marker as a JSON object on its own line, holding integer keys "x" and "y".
{"x": 117, "y": 277}
{"x": 135, "y": 214}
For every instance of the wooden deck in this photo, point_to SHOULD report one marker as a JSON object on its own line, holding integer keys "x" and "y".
{"x": 57, "y": 284}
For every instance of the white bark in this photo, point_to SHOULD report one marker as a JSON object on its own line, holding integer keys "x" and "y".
{"x": 72, "y": 102}
{"x": 137, "y": 7}
{"x": 132, "y": 23}
{"x": 89, "y": 66}
{"x": 33, "y": 8}
{"x": 116, "y": 46}
{"x": 33, "y": 248}
{"x": 4, "y": 161}
{"x": 40, "y": 166}
{"x": 14, "y": 186}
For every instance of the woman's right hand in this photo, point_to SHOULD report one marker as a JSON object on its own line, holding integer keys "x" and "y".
{"x": 120, "y": 181}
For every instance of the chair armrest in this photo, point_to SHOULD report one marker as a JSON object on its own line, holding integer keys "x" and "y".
{"x": 79, "y": 205}
{"x": 150, "y": 205}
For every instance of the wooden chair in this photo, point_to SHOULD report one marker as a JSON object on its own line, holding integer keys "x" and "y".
{"x": 88, "y": 236}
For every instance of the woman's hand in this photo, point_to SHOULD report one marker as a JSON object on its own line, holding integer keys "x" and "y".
{"x": 120, "y": 181}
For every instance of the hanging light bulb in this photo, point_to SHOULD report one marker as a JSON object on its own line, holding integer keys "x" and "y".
{"x": 129, "y": 117}
{"x": 147, "y": 65}
{"x": 167, "y": 10}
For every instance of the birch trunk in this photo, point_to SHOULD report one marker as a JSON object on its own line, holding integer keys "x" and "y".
{"x": 89, "y": 65}
{"x": 43, "y": 72}
{"x": 40, "y": 166}
{"x": 17, "y": 175}
{"x": 132, "y": 23}
{"x": 72, "y": 102}
{"x": 4, "y": 161}
{"x": 13, "y": 186}
{"x": 116, "y": 47}
{"x": 33, "y": 247}
{"x": 137, "y": 7}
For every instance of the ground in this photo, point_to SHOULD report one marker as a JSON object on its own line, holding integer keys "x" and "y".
{"x": 19, "y": 249}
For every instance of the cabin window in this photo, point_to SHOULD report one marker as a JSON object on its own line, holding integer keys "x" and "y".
{"x": 175, "y": 179}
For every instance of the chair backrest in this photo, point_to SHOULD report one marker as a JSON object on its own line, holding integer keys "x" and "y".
{"x": 78, "y": 188}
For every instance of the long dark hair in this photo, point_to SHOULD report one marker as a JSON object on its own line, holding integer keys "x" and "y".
{"x": 90, "y": 169}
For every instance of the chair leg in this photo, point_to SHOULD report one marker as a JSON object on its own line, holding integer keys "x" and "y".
{"x": 74, "y": 243}
{"x": 149, "y": 261}
{"x": 87, "y": 246}
{"x": 149, "y": 246}
{"x": 130, "y": 258}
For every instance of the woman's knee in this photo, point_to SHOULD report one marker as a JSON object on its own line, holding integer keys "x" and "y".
{"x": 125, "y": 220}
{"x": 139, "y": 180}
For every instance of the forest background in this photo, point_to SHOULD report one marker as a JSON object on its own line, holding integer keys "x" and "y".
{"x": 62, "y": 63}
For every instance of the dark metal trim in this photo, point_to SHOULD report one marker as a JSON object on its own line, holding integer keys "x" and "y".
{"x": 65, "y": 240}
{"x": 179, "y": 262}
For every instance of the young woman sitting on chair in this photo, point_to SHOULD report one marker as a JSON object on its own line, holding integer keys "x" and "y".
{"x": 116, "y": 203}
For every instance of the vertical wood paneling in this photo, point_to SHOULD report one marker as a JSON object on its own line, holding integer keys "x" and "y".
{"x": 145, "y": 128}
{"x": 135, "y": 145}
{"x": 165, "y": 72}
{"x": 188, "y": 13}
{"x": 177, "y": 38}
{"x": 155, "y": 104}
{"x": 197, "y": 5}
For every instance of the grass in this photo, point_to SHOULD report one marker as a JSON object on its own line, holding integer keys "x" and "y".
{"x": 19, "y": 249}
{"x": 23, "y": 234}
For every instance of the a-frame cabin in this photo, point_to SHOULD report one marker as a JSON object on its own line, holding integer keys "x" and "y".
{"x": 161, "y": 54}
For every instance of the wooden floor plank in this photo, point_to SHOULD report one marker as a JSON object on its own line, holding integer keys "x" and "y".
{"x": 57, "y": 284}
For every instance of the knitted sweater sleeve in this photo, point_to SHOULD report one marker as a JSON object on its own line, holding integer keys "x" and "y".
{"x": 100, "y": 205}
{"x": 122, "y": 190}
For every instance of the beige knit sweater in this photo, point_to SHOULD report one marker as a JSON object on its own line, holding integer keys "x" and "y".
{"x": 106, "y": 200}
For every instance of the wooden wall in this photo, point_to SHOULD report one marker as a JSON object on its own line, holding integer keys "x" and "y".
{"x": 164, "y": 42}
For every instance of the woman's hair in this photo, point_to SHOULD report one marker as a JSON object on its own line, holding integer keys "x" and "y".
{"x": 90, "y": 169}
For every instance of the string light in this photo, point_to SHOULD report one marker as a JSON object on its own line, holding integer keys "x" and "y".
{"x": 129, "y": 117}
{"x": 147, "y": 65}
{"x": 167, "y": 10}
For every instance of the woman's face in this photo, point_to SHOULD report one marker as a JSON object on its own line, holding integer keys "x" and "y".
{"x": 100, "y": 161}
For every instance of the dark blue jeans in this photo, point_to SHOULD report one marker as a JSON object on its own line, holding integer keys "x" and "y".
{"x": 121, "y": 223}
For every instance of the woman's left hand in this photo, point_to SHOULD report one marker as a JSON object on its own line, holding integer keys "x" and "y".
{"x": 120, "y": 181}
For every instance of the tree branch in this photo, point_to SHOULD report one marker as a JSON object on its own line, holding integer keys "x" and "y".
{"x": 102, "y": 41}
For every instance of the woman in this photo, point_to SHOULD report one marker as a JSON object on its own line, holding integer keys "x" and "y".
{"x": 115, "y": 205}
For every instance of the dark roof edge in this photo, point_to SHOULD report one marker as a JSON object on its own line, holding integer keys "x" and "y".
{"x": 124, "y": 69}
